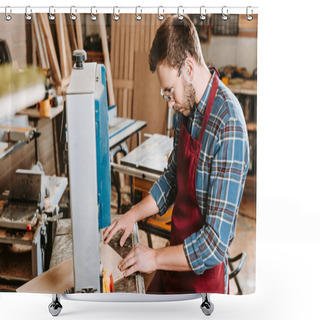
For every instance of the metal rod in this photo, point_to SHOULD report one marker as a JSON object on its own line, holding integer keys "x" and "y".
{"x": 122, "y": 10}
{"x": 135, "y": 172}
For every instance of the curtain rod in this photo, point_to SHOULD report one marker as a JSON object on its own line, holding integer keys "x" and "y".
{"x": 203, "y": 10}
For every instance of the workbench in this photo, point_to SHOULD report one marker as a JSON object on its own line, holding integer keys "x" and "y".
{"x": 34, "y": 115}
{"x": 145, "y": 164}
{"x": 120, "y": 130}
{"x": 26, "y": 261}
{"x": 59, "y": 278}
{"x": 15, "y": 132}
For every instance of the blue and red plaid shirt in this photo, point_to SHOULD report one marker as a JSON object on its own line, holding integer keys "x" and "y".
{"x": 220, "y": 177}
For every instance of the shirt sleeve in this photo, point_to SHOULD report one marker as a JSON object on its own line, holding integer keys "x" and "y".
{"x": 208, "y": 247}
{"x": 164, "y": 191}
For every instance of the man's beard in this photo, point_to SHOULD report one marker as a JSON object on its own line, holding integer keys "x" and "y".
{"x": 190, "y": 96}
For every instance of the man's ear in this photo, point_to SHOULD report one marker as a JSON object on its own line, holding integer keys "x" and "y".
{"x": 189, "y": 66}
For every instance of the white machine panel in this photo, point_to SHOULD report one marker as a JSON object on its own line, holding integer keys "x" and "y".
{"x": 83, "y": 187}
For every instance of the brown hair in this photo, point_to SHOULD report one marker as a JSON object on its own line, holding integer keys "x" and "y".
{"x": 173, "y": 40}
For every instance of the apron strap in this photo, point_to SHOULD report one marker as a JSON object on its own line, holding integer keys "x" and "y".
{"x": 209, "y": 105}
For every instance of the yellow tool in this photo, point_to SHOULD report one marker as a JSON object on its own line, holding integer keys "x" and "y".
{"x": 107, "y": 282}
{"x": 45, "y": 104}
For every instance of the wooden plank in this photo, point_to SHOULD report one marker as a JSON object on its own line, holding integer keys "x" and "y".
{"x": 130, "y": 103}
{"x": 112, "y": 49}
{"x": 131, "y": 63}
{"x": 137, "y": 37}
{"x": 54, "y": 65}
{"x": 72, "y": 37}
{"x": 56, "y": 280}
{"x": 62, "y": 45}
{"x": 34, "y": 45}
{"x": 142, "y": 34}
{"x": 43, "y": 44}
{"x": 103, "y": 35}
{"x": 122, "y": 46}
{"x": 110, "y": 260}
{"x": 123, "y": 83}
{"x": 125, "y": 103}
{"x": 68, "y": 49}
{"x": 131, "y": 46}
{"x": 40, "y": 44}
{"x": 127, "y": 46}
{"x": 117, "y": 50}
{"x": 79, "y": 32}
{"x": 147, "y": 33}
{"x": 152, "y": 29}
{"x": 120, "y": 103}
{"x": 39, "y": 48}
{"x": 116, "y": 97}
{"x": 147, "y": 93}
{"x": 17, "y": 129}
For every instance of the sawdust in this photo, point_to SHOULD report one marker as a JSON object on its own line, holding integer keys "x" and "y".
{"x": 19, "y": 248}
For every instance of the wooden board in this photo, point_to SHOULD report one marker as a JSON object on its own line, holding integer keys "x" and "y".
{"x": 72, "y": 37}
{"x": 56, "y": 280}
{"x": 18, "y": 129}
{"x": 60, "y": 278}
{"x": 110, "y": 260}
{"x": 104, "y": 37}
{"x": 148, "y": 105}
{"x": 79, "y": 32}
{"x": 39, "y": 44}
{"x": 54, "y": 65}
{"x": 66, "y": 20}
{"x": 129, "y": 36}
{"x": 62, "y": 44}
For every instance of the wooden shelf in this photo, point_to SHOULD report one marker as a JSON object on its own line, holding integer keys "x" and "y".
{"x": 248, "y": 87}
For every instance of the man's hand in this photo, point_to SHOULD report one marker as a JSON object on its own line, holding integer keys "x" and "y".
{"x": 140, "y": 258}
{"x": 124, "y": 223}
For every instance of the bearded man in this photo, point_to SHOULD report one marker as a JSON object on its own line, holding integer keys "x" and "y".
{"x": 205, "y": 175}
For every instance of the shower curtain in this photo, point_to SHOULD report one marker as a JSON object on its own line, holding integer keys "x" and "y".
{"x": 199, "y": 96}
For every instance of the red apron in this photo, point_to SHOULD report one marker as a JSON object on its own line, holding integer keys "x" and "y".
{"x": 187, "y": 218}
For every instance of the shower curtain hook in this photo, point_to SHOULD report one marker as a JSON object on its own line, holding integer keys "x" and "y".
{"x": 180, "y": 16}
{"x": 93, "y": 16}
{"x": 27, "y": 15}
{"x": 248, "y": 16}
{"x": 224, "y": 15}
{"x": 160, "y": 16}
{"x": 203, "y": 15}
{"x": 72, "y": 15}
{"x": 7, "y": 16}
{"x": 51, "y": 15}
{"x": 138, "y": 16}
{"x": 116, "y": 16}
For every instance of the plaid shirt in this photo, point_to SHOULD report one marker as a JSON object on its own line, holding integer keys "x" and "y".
{"x": 220, "y": 177}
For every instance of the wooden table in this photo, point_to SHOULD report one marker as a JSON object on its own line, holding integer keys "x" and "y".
{"x": 59, "y": 278}
{"x": 23, "y": 263}
{"x": 34, "y": 115}
{"x": 145, "y": 164}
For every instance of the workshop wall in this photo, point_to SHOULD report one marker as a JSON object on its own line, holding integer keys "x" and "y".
{"x": 137, "y": 91}
{"x": 16, "y": 39}
{"x": 235, "y": 46}
{"x": 235, "y": 51}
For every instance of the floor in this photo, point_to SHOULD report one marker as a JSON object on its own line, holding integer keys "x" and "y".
{"x": 245, "y": 240}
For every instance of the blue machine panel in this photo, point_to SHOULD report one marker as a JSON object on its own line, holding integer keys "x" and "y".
{"x": 102, "y": 146}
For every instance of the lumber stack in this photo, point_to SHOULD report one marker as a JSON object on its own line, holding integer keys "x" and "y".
{"x": 129, "y": 36}
{"x": 54, "y": 43}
